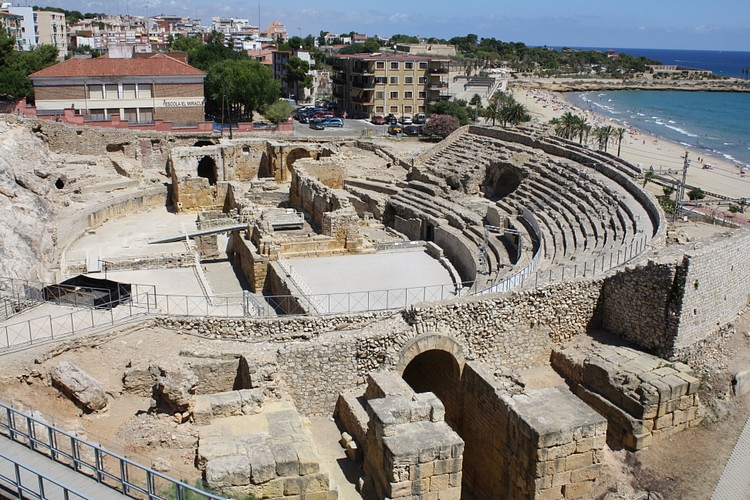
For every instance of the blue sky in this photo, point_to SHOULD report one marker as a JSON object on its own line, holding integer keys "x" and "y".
{"x": 668, "y": 24}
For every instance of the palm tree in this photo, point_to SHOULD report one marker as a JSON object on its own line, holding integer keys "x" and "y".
{"x": 514, "y": 113}
{"x": 603, "y": 135}
{"x": 492, "y": 112}
{"x": 619, "y": 135}
{"x": 581, "y": 128}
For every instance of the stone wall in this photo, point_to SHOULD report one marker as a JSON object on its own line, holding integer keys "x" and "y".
{"x": 716, "y": 287}
{"x": 667, "y": 305}
{"x": 644, "y": 398}
{"x": 640, "y": 304}
{"x": 328, "y": 210}
{"x": 244, "y": 255}
{"x": 514, "y": 452}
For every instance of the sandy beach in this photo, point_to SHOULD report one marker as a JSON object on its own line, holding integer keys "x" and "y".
{"x": 723, "y": 177}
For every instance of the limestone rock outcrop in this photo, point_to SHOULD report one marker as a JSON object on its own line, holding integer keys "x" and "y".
{"x": 25, "y": 181}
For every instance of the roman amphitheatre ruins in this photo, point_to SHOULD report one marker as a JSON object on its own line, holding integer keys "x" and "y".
{"x": 503, "y": 314}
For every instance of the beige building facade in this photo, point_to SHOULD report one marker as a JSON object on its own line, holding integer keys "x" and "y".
{"x": 365, "y": 85}
{"x": 51, "y": 30}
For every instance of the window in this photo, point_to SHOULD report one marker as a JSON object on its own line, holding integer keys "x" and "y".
{"x": 393, "y": 95}
{"x": 113, "y": 111}
{"x": 393, "y": 109}
{"x": 423, "y": 65}
{"x": 408, "y": 65}
{"x": 95, "y": 92}
{"x": 96, "y": 115}
{"x": 128, "y": 90}
{"x": 380, "y": 95}
{"x": 409, "y": 80}
{"x": 147, "y": 115}
{"x": 110, "y": 91}
{"x": 422, "y": 95}
{"x": 380, "y": 80}
{"x": 408, "y": 95}
{"x": 145, "y": 90}
{"x": 394, "y": 80}
{"x": 380, "y": 64}
{"x": 130, "y": 115}
{"x": 422, "y": 80}
{"x": 380, "y": 109}
{"x": 394, "y": 64}
{"x": 407, "y": 110}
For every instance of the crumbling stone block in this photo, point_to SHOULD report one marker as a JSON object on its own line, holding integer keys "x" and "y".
{"x": 82, "y": 388}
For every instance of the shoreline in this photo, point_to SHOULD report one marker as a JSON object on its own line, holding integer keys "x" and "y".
{"x": 644, "y": 148}
{"x": 585, "y": 85}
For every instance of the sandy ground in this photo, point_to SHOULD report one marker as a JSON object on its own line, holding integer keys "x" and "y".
{"x": 646, "y": 149}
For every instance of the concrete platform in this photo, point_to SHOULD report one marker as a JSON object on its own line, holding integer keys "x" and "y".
{"x": 378, "y": 271}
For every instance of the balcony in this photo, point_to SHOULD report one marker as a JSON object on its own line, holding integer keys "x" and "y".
{"x": 363, "y": 69}
{"x": 364, "y": 83}
{"x": 439, "y": 70}
{"x": 437, "y": 86}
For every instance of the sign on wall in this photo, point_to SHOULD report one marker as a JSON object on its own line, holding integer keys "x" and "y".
{"x": 182, "y": 103}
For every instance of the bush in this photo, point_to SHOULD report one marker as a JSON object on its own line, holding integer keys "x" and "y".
{"x": 278, "y": 112}
{"x": 441, "y": 126}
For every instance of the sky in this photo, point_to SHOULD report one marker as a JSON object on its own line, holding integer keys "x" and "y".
{"x": 659, "y": 24}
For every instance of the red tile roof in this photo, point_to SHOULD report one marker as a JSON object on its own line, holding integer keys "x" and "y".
{"x": 156, "y": 65}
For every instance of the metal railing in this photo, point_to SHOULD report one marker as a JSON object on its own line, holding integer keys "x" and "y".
{"x": 30, "y": 483}
{"x": 98, "y": 463}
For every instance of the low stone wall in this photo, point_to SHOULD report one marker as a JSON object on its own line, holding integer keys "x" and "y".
{"x": 253, "y": 265}
{"x": 644, "y": 398}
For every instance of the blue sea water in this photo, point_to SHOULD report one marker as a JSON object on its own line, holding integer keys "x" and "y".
{"x": 715, "y": 123}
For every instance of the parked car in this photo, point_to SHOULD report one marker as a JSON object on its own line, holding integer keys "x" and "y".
{"x": 405, "y": 120}
{"x": 378, "y": 120}
{"x": 391, "y": 119}
{"x": 413, "y": 130}
{"x": 395, "y": 129}
{"x": 420, "y": 119}
{"x": 317, "y": 124}
{"x": 332, "y": 121}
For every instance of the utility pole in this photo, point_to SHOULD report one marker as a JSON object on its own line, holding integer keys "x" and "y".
{"x": 681, "y": 190}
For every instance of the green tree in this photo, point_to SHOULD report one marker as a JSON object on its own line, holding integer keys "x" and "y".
{"x": 15, "y": 66}
{"x": 278, "y": 112}
{"x": 453, "y": 108}
{"x": 514, "y": 113}
{"x": 492, "y": 112}
{"x": 619, "y": 135}
{"x": 297, "y": 75}
{"x": 185, "y": 43}
{"x": 246, "y": 85}
{"x": 696, "y": 194}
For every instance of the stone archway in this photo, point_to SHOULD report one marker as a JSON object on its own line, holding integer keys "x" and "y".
{"x": 434, "y": 363}
{"x": 292, "y": 156}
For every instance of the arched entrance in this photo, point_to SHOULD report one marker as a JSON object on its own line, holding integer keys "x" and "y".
{"x": 293, "y": 156}
{"x": 438, "y": 372}
{"x": 207, "y": 170}
{"x": 434, "y": 363}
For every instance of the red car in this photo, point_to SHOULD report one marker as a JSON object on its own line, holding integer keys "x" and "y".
{"x": 322, "y": 114}
{"x": 378, "y": 120}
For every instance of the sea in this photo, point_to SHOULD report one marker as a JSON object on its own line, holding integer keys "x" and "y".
{"x": 707, "y": 123}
